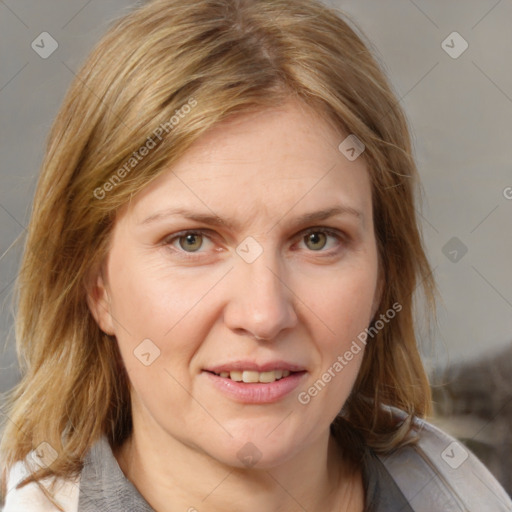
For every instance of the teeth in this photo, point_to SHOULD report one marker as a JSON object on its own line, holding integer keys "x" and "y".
{"x": 266, "y": 376}
{"x": 250, "y": 376}
{"x": 236, "y": 375}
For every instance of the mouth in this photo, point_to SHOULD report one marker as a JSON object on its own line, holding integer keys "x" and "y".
{"x": 252, "y": 377}
{"x": 253, "y": 386}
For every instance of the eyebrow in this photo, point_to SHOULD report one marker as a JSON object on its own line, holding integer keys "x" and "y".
{"x": 215, "y": 220}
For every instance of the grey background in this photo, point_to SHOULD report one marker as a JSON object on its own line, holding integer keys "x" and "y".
{"x": 460, "y": 112}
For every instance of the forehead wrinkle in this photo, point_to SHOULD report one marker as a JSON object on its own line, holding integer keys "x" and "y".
{"x": 236, "y": 224}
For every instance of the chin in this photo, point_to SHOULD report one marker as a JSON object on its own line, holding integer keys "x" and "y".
{"x": 256, "y": 451}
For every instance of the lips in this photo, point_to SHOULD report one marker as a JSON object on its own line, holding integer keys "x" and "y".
{"x": 250, "y": 391}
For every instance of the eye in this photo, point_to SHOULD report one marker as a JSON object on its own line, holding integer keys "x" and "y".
{"x": 191, "y": 242}
{"x": 317, "y": 239}
{"x": 188, "y": 241}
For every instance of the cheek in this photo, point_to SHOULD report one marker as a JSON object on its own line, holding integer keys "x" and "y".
{"x": 149, "y": 299}
{"x": 345, "y": 301}
{"x": 344, "y": 305}
{"x": 162, "y": 317}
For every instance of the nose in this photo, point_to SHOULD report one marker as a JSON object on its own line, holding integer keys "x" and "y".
{"x": 261, "y": 303}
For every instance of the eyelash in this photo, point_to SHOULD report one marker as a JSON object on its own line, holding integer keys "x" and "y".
{"x": 338, "y": 235}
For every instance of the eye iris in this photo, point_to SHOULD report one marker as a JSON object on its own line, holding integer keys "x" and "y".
{"x": 191, "y": 242}
{"x": 317, "y": 239}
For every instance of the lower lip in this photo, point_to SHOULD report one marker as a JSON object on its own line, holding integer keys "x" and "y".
{"x": 256, "y": 393}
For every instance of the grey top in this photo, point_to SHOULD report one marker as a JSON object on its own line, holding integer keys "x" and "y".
{"x": 434, "y": 474}
{"x": 104, "y": 488}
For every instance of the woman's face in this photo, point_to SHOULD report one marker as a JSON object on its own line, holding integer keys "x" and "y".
{"x": 256, "y": 251}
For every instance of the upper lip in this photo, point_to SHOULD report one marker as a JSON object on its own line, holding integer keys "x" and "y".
{"x": 257, "y": 367}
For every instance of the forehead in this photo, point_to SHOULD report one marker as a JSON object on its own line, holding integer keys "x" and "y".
{"x": 272, "y": 160}
{"x": 293, "y": 135}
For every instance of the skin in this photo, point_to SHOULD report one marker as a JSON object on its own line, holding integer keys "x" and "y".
{"x": 307, "y": 298}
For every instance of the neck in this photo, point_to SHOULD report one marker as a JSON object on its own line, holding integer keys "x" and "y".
{"x": 174, "y": 476}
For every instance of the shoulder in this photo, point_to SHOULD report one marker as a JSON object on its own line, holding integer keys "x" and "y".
{"x": 437, "y": 472}
{"x": 30, "y": 498}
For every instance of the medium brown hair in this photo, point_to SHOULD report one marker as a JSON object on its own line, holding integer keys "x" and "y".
{"x": 227, "y": 57}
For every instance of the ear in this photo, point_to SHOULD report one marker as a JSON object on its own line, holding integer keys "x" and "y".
{"x": 98, "y": 300}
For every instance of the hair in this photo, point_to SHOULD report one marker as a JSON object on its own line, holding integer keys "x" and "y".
{"x": 162, "y": 75}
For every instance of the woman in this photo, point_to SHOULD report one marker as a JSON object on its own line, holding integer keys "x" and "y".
{"x": 215, "y": 302}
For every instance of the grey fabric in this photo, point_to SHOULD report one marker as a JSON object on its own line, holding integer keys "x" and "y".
{"x": 104, "y": 488}
{"x": 437, "y": 473}
{"x": 382, "y": 493}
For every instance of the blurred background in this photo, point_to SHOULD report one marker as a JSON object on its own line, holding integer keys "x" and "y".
{"x": 450, "y": 65}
